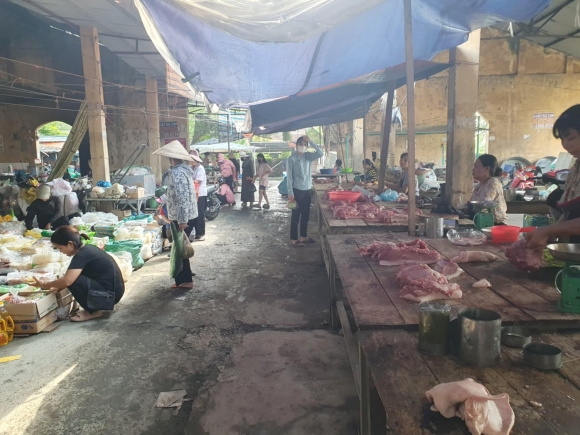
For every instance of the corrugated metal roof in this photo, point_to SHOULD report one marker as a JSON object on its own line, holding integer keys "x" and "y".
{"x": 554, "y": 28}
{"x": 111, "y": 17}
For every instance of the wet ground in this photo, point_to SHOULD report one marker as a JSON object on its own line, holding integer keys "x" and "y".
{"x": 249, "y": 344}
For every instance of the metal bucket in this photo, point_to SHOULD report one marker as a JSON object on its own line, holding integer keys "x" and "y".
{"x": 434, "y": 328}
{"x": 480, "y": 343}
{"x": 434, "y": 227}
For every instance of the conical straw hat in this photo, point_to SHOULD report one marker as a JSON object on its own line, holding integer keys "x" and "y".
{"x": 174, "y": 150}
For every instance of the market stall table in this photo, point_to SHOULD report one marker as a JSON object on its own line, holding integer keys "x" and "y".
{"x": 394, "y": 377}
{"x": 527, "y": 207}
{"x": 383, "y": 351}
{"x": 134, "y": 204}
{"x": 337, "y": 177}
{"x": 373, "y": 293}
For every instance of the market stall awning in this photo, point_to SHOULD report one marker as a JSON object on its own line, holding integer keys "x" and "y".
{"x": 239, "y": 52}
{"x": 333, "y": 104}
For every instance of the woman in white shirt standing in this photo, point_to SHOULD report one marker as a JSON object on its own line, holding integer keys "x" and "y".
{"x": 199, "y": 179}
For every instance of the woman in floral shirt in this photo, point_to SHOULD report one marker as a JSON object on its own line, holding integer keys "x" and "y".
{"x": 489, "y": 188}
{"x": 181, "y": 199}
{"x": 567, "y": 230}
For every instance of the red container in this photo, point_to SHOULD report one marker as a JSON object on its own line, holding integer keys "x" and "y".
{"x": 502, "y": 234}
{"x": 527, "y": 229}
{"x": 344, "y": 195}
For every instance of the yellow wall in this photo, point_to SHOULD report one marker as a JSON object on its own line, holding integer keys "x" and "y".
{"x": 515, "y": 82}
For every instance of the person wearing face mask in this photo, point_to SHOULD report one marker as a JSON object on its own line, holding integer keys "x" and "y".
{"x": 567, "y": 229}
{"x": 47, "y": 209}
{"x": 299, "y": 179}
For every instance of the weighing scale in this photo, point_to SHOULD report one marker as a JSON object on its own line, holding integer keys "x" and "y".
{"x": 483, "y": 219}
{"x": 568, "y": 278}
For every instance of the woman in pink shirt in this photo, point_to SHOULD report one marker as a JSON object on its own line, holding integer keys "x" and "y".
{"x": 227, "y": 170}
{"x": 262, "y": 174}
{"x": 225, "y": 194}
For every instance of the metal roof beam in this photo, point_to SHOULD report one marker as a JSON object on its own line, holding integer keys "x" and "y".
{"x": 547, "y": 16}
{"x": 563, "y": 38}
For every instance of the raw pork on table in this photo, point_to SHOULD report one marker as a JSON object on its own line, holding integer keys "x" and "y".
{"x": 523, "y": 258}
{"x": 448, "y": 268}
{"x": 391, "y": 254}
{"x": 424, "y": 290}
{"x": 408, "y": 274}
{"x": 475, "y": 256}
{"x": 483, "y": 413}
{"x": 482, "y": 283}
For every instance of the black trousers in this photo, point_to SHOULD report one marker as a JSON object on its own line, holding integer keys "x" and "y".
{"x": 230, "y": 181}
{"x": 199, "y": 221}
{"x": 64, "y": 220}
{"x": 222, "y": 199}
{"x": 185, "y": 274}
{"x": 80, "y": 291}
{"x": 300, "y": 214}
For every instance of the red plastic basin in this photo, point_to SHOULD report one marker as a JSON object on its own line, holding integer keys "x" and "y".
{"x": 344, "y": 195}
{"x": 502, "y": 234}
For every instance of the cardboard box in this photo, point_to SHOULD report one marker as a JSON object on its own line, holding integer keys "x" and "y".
{"x": 135, "y": 193}
{"x": 121, "y": 214}
{"x": 64, "y": 298}
{"x": 35, "y": 327}
{"x": 33, "y": 318}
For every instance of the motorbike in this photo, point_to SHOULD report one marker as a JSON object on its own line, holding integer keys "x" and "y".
{"x": 213, "y": 204}
{"x": 523, "y": 178}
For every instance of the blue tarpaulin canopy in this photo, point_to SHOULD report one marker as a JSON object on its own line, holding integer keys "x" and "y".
{"x": 334, "y": 104}
{"x": 238, "y": 52}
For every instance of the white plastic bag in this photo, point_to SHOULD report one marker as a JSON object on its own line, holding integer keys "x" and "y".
{"x": 61, "y": 187}
{"x": 146, "y": 252}
{"x": 71, "y": 203}
{"x": 123, "y": 260}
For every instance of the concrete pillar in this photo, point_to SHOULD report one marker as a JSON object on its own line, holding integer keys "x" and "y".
{"x": 358, "y": 152}
{"x": 95, "y": 103}
{"x": 152, "y": 108}
{"x": 462, "y": 105}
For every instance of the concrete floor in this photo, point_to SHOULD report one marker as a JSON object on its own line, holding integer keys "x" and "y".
{"x": 250, "y": 345}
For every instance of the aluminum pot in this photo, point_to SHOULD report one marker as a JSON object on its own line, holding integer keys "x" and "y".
{"x": 480, "y": 337}
{"x": 542, "y": 356}
{"x": 434, "y": 227}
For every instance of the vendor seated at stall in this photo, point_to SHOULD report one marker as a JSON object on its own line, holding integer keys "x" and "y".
{"x": 93, "y": 277}
{"x": 47, "y": 209}
{"x": 486, "y": 171}
{"x": 370, "y": 175}
{"x": 403, "y": 185}
{"x": 567, "y": 229}
{"x": 337, "y": 166}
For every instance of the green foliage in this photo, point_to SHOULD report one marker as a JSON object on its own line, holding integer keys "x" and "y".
{"x": 286, "y": 136}
{"x": 262, "y": 138}
{"x": 202, "y": 126}
{"x": 314, "y": 134}
{"x": 55, "y": 128}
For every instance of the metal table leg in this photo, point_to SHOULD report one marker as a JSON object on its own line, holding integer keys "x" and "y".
{"x": 365, "y": 409}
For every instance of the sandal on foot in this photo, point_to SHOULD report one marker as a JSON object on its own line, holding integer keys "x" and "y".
{"x": 310, "y": 240}
{"x": 84, "y": 316}
{"x": 266, "y": 206}
{"x": 297, "y": 244}
{"x": 183, "y": 286}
